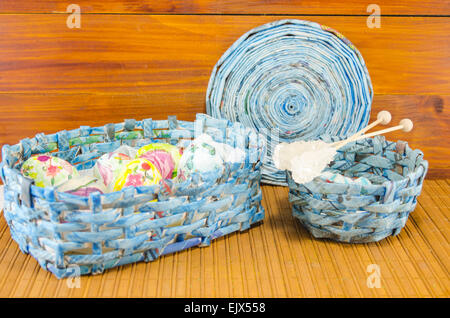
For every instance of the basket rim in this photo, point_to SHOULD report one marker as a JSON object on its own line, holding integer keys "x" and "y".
{"x": 420, "y": 169}
{"x": 211, "y": 176}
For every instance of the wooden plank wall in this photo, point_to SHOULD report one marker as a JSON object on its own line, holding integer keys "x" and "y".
{"x": 140, "y": 59}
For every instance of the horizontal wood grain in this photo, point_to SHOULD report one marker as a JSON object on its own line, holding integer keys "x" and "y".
{"x": 431, "y": 118}
{"x": 278, "y": 258}
{"x": 333, "y": 7}
{"x": 125, "y": 66}
{"x": 24, "y": 115}
{"x": 152, "y": 54}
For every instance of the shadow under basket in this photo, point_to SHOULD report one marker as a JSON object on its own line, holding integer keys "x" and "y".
{"x": 72, "y": 235}
{"x": 360, "y": 213}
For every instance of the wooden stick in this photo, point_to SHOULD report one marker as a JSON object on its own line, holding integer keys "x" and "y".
{"x": 384, "y": 117}
{"x": 405, "y": 124}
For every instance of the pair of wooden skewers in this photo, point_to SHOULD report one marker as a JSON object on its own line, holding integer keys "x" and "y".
{"x": 384, "y": 117}
{"x": 307, "y": 159}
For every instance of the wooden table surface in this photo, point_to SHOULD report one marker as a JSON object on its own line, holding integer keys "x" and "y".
{"x": 151, "y": 59}
{"x": 277, "y": 258}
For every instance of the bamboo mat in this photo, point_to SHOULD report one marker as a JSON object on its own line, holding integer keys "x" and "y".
{"x": 275, "y": 259}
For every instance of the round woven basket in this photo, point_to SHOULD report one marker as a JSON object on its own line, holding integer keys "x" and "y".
{"x": 362, "y": 213}
{"x": 291, "y": 80}
{"x": 72, "y": 235}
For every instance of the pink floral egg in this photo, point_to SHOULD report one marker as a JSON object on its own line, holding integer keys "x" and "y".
{"x": 138, "y": 172}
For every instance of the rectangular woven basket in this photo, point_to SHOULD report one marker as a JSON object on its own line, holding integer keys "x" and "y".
{"x": 72, "y": 235}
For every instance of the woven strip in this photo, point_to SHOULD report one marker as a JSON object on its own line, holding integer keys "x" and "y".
{"x": 72, "y": 235}
{"x": 291, "y": 80}
{"x": 356, "y": 213}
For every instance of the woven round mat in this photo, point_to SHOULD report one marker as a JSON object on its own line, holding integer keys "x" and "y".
{"x": 291, "y": 80}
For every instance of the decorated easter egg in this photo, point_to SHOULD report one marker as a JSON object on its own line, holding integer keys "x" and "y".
{"x": 48, "y": 171}
{"x": 83, "y": 185}
{"x": 85, "y": 191}
{"x": 165, "y": 157}
{"x": 108, "y": 167}
{"x": 127, "y": 150}
{"x": 201, "y": 155}
{"x": 137, "y": 172}
{"x": 163, "y": 161}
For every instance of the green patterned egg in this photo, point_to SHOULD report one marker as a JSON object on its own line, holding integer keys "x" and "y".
{"x": 48, "y": 171}
{"x": 202, "y": 155}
